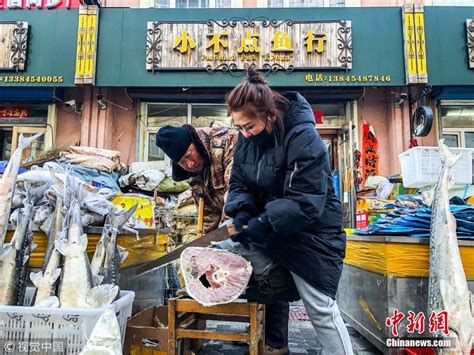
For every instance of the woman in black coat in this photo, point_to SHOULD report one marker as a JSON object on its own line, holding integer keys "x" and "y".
{"x": 281, "y": 189}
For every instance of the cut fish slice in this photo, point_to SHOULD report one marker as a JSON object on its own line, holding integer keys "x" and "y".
{"x": 214, "y": 276}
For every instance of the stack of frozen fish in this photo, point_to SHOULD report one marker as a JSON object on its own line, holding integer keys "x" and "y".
{"x": 412, "y": 218}
{"x": 67, "y": 278}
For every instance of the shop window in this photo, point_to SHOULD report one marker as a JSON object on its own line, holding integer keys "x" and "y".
{"x": 458, "y": 125}
{"x": 192, "y": 3}
{"x": 205, "y": 115}
{"x": 452, "y": 3}
{"x": 223, "y": 4}
{"x": 27, "y": 120}
{"x": 305, "y": 3}
{"x": 159, "y": 115}
{"x": 275, "y": 3}
{"x": 333, "y": 115}
{"x": 163, "y": 4}
{"x": 469, "y": 139}
{"x": 451, "y": 140}
{"x": 35, "y": 148}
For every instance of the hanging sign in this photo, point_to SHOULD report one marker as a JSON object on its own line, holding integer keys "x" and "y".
{"x": 370, "y": 156}
{"x": 13, "y": 45}
{"x": 234, "y": 44}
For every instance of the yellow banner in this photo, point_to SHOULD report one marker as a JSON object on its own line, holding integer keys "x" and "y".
{"x": 410, "y": 43}
{"x": 81, "y": 46}
{"x": 91, "y": 44}
{"x": 420, "y": 43}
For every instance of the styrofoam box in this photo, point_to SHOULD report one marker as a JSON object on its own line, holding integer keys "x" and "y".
{"x": 421, "y": 166}
{"x": 71, "y": 325}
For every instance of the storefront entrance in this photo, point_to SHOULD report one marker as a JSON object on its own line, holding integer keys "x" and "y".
{"x": 27, "y": 120}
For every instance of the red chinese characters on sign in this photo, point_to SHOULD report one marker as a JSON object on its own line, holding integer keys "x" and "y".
{"x": 416, "y": 322}
{"x": 13, "y": 112}
{"x": 394, "y": 320}
{"x": 370, "y": 148}
{"x": 439, "y": 322}
{"x": 39, "y": 4}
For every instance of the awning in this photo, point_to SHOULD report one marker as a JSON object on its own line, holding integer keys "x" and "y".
{"x": 453, "y": 93}
{"x": 217, "y": 95}
{"x": 9, "y": 94}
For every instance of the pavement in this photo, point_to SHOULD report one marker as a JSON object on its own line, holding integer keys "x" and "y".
{"x": 302, "y": 338}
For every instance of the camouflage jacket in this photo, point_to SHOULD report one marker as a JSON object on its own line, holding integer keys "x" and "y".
{"x": 216, "y": 145}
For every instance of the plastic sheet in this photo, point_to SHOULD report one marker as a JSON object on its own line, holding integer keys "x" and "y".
{"x": 399, "y": 259}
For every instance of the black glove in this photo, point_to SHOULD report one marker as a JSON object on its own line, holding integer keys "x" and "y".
{"x": 241, "y": 219}
{"x": 257, "y": 231}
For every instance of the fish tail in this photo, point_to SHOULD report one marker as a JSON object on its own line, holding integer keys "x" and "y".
{"x": 24, "y": 142}
{"x": 447, "y": 157}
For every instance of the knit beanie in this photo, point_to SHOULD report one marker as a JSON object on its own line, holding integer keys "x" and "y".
{"x": 174, "y": 141}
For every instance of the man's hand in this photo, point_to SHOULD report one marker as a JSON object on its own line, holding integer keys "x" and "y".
{"x": 257, "y": 231}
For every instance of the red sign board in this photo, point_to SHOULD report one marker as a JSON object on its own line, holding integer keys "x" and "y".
{"x": 13, "y": 112}
{"x": 318, "y": 117}
{"x": 39, "y": 4}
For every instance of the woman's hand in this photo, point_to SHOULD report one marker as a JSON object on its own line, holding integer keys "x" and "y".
{"x": 257, "y": 231}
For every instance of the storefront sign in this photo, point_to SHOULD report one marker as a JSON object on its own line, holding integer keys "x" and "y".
{"x": 13, "y": 45}
{"x": 470, "y": 41}
{"x": 38, "y": 4}
{"x": 34, "y": 79}
{"x": 13, "y": 112}
{"x": 414, "y": 45}
{"x": 327, "y": 78}
{"x": 233, "y": 44}
{"x": 86, "y": 45}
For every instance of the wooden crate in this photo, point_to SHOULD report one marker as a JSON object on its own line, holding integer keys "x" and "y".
{"x": 187, "y": 309}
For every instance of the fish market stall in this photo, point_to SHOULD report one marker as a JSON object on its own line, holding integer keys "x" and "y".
{"x": 410, "y": 269}
{"x": 384, "y": 273}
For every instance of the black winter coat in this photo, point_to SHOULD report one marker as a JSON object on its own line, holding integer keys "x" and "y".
{"x": 291, "y": 183}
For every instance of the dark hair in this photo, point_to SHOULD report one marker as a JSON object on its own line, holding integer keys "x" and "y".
{"x": 254, "y": 98}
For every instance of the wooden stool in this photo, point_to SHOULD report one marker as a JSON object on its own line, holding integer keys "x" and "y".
{"x": 252, "y": 313}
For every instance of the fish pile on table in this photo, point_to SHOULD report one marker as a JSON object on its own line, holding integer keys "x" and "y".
{"x": 412, "y": 218}
{"x": 67, "y": 278}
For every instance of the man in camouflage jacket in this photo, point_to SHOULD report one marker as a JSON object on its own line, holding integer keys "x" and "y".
{"x": 204, "y": 156}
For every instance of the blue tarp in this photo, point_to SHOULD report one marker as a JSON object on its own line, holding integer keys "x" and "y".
{"x": 3, "y": 165}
